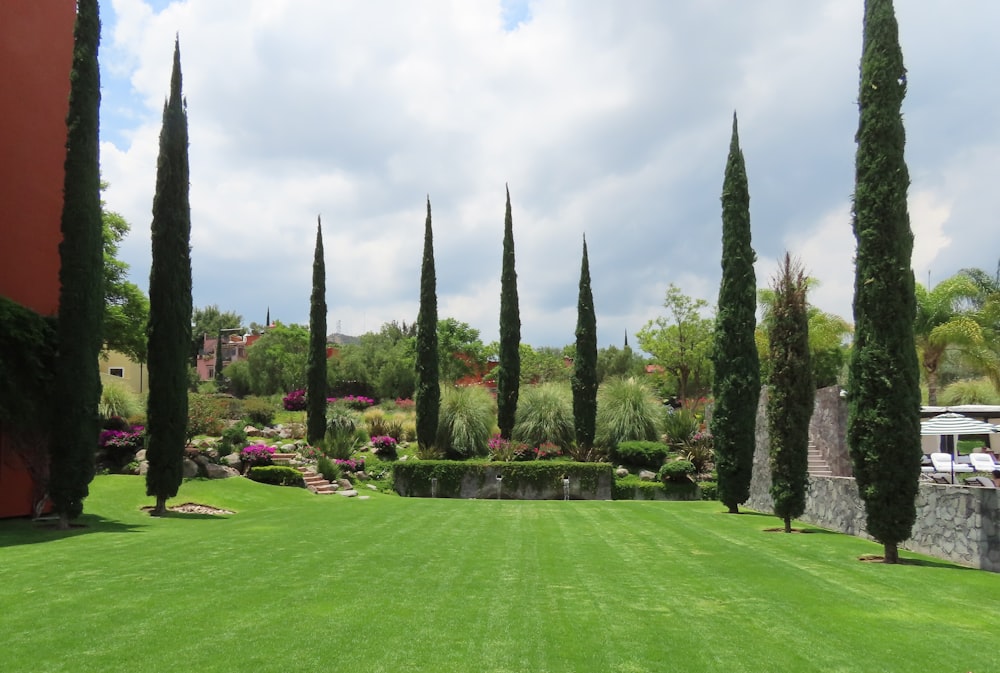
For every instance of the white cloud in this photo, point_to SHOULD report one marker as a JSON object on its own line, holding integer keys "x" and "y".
{"x": 606, "y": 119}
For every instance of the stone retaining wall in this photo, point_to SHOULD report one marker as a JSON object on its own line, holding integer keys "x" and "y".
{"x": 954, "y": 523}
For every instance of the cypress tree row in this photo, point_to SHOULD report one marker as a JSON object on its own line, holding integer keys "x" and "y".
{"x": 169, "y": 329}
{"x": 584, "y": 380}
{"x": 736, "y": 385}
{"x": 316, "y": 374}
{"x": 791, "y": 393}
{"x": 509, "y": 369}
{"x": 883, "y": 422}
{"x": 428, "y": 402}
{"x": 81, "y": 280}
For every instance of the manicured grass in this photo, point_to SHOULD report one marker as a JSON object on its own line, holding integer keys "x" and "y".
{"x": 297, "y": 582}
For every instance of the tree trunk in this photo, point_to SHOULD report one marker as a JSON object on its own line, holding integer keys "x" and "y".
{"x": 63, "y": 521}
{"x": 161, "y": 506}
{"x": 891, "y": 554}
{"x": 932, "y": 386}
{"x": 734, "y": 509}
{"x": 788, "y": 524}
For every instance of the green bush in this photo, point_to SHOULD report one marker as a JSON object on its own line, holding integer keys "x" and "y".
{"x": 641, "y": 453}
{"x": 233, "y": 439}
{"x": 465, "y": 421}
{"x": 545, "y": 415}
{"x": 413, "y": 478}
{"x": 632, "y": 487}
{"x": 679, "y": 427}
{"x": 344, "y": 432}
{"x": 626, "y": 410}
{"x": 676, "y": 471}
{"x": 236, "y": 378}
{"x": 709, "y": 490}
{"x": 278, "y": 475}
{"x": 329, "y": 469}
{"x": 259, "y": 410}
{"x": 117, "y": 400}
{"x": 206, "y": 414}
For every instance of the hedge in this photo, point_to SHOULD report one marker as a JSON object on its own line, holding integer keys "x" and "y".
{"x": 413, "y": 478}
{"x": 279, "y": 475}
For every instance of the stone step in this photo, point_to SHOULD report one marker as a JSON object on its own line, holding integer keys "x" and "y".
{"x": 283, "y": 458}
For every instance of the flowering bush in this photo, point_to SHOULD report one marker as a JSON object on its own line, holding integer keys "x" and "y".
{"x": 405, "y": 404}
{"x": 120, "y": 445}
{"x": 384, "y": 446}
{"x": 206, "y": 414}
{"x": 310, "y": 453}
{"x": 505, "y": 449}
{"x": 256, "y": 454}
{"x": 699, "y": 450}
{"x": 546, "y": 450}
{"x": 351, "y": 465}
{"x": 295, "y": 400}
{"x": 359, "y": 402}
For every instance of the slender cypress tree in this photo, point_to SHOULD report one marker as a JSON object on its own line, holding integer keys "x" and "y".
{"x": 81, "y": 280}
{"x": 428, "y": 378}
{"x": 218, "y": 357}
{"x": 883, "y": 421}
{"x": 316, "y": 376}
{"x": 791, "y": 393}
{"x": 584, "y": 379}
{"x": 169, "y": 329}
{"x": 509, "y": 369}
{"x": 736, "y": 385}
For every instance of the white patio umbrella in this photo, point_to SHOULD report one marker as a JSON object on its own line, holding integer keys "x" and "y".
{"x": 952, "y": 424}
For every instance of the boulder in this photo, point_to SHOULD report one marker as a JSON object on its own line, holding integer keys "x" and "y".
{"x": 190, "y": 468}
{"x": 143, "y": 468}
{"x": 371, "y": 487}
{"x": 347, "y": 493}
{"x": 231, "y": 459}
{"x": 270, "y": 433}
{"x": 140, "y": 455}
{"x": 251, "y": 431}
{"x": 214, "y": 471}
{"x": 621, "y": 471}
{"x": 344, "y": 483}
{"x": 646, "y": 475}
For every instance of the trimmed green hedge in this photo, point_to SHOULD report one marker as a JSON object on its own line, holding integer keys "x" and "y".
{"x": 641, "y": 453}
{"x": 27, "y": 351}
{"x": 413, "y": 477}
{"x": 676, "y": 471}
{"x": 634, "y": 488}
{"x": 278, "y": 475}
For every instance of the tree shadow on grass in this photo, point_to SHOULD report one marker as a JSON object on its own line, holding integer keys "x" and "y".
{"x": 16, "y": 532}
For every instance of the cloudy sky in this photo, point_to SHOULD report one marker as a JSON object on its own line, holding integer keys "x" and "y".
{"x": 606, "y": 119}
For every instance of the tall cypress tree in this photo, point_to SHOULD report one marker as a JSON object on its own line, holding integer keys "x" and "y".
{"x": 584, "y": 380}
{"x": 883, "y": 422}
{"x": 791, "y": 393}
{"x": 509, "y": 369}
{"x": 316, "y": 375}
{"x": 428, "y": 382}
{"x": 736, "y": 385}
{"x": 81, "y": 280}
{"x": 169, "y": 329}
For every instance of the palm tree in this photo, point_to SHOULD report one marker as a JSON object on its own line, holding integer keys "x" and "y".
{"x": 941, "y": 323}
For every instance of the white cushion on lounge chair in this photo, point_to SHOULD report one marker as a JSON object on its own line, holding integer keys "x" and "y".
{"x": 942, "y": 463}
{"x": 983, "y": 462}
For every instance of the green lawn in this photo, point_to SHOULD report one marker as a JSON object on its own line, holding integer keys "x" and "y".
{"x": 297, "y": 582}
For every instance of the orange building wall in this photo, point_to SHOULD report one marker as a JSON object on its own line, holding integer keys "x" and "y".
{"x": 36, "y": 54}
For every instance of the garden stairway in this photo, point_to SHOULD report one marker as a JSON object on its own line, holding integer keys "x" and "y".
{"x": 313, "y": 481}
{"x": 818, "y": 467}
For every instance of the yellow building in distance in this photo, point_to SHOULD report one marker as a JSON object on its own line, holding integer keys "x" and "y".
{"x": 118, "y": 369}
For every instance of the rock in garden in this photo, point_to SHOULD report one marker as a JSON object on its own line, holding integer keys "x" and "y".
{"x": 621, "y": 471}
{"x": 143, "y": 468}
{"x": 214, "y": 471}
{"x": 349, "y": 493}
{"x": 344, "y": 483}
{"x": 646, "y": 475}
{"x": 190, "y": 468}
{"x": 251, "y": 431}
{"x": 140, "y": 455}
{"x": 271, "y": 433}
{"x": 371, "y": 487}
{"x": 231, "y": 459}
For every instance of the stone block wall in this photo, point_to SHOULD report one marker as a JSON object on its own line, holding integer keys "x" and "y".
{"x": 955, "y": 523}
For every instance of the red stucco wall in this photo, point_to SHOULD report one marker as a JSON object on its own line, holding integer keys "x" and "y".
{"x": 36, "y": 54}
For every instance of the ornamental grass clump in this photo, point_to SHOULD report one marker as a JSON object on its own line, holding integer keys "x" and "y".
{"x": 344, "y": 433}
{"x": 545, "y": 415}
{"x": 465, "y": 421}
{"x": 627, "y": 410}
{"x": 117, "y": 400}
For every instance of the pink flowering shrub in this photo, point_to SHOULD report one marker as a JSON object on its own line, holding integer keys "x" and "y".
{"x": 295, "y": 401}
{"x": 384, "y": 446}
{"x": 256, "y": 455}
{"x": 506, "y": 449}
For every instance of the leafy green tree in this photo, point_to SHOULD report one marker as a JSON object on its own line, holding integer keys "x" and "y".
{"x": 941, "y": 324}
{"x": 736, "y": 385}
{"x": 381, "y": 364}
{"x": 169, "y": 303}
{"x": 81, "y": 292}
{"x": 545, "y": 364}
{"x": 883, "y": 422}
{"x": 428, "y": 392}
{"x": 509, "y": 369}
{"x": 791, "y": 393}
{"x": 316, "y": 376}
{"x": 277, "y": 360}
{"x": 126, "y": 307}
{"x": 584, "y": 381}
{"x": 615, "y": 362}
{"x": 829, "y": 337}
{"x": 464, "y": 353}
{"x": 682, "y": 343}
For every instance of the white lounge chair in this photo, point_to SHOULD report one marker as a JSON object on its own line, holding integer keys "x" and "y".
{"x": 983, "y": 462}
{"x": 943, "y": 463}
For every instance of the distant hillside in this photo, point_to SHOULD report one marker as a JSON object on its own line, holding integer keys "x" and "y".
{"x": 341, "y": 339}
